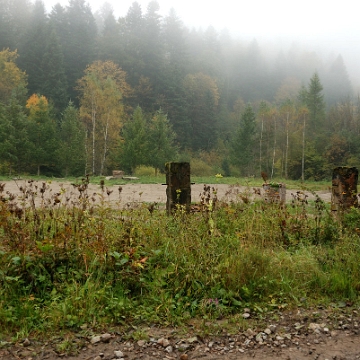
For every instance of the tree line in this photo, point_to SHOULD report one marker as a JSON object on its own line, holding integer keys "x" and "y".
{"x": 84, "y": 92}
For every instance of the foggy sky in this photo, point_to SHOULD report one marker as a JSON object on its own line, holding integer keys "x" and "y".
{"x": 328, "y": 27}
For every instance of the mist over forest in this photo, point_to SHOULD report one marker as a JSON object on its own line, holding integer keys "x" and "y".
{"x": 88, "y": 92}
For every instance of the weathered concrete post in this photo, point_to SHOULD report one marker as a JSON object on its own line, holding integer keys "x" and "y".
{"x": 275, "y": 193}
{"x": 117, "y": 174}
{"x": 178, "y": 183}
{"x": 344, "y": 188}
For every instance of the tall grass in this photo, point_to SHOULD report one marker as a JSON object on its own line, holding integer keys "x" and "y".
{"x": 69, "y": 262}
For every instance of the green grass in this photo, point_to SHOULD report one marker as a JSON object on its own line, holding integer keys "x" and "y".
{"x": 251, "y": 182}
{"x": 72, "y": 264}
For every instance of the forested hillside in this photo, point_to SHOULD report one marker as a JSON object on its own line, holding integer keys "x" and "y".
{"x": 84, "y": 92}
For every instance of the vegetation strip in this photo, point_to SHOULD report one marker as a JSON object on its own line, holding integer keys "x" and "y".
{"x": 67, "y": 262}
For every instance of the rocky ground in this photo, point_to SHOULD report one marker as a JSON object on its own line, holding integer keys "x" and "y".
{"x": 316, "y": 334}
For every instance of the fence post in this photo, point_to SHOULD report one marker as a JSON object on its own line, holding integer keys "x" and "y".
{"x": 178, "y": 183}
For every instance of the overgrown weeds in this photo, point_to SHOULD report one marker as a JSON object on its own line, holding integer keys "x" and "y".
{"x": 70, "y": 261}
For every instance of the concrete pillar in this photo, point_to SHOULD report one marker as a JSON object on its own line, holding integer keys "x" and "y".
{"x": 178, "y": 183}
{"x": 275, "y": 193}
{"x": 344, "y": 188}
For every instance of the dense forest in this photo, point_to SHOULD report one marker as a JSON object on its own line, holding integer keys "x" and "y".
{"x": 84, "y": 92}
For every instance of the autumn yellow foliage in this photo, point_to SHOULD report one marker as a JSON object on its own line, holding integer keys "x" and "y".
{"x": 36, "y": 103}
{"x": 11, "y": 76}
{"x": 102, "y": 90}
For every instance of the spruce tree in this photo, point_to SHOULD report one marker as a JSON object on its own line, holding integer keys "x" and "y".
{"x": 243, "y": 143}
{"x": 79, "y": 47}
{"x": 54, "y": 83}
{"x": 58, "y": 21}
{"x": 14, "y": 141}
{"x": 314, "y": 99}
{"x": 134, "y": 150}
{"x": 14, "y": 19}
{"x": 71, "y": 151}
{"x": 42, "y": 134}
{"x": 109, "y": 43}
{"x": 202, "y": 99}
{"x": 131, "y": 28}
{"x": 337, "y": 86}
{"x": 32, "y": 48}
{"x": 153, "y": 49}
{"x": 161, "y": 141}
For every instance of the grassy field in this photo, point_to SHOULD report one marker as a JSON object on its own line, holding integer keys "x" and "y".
{"x": 68, "y": 264}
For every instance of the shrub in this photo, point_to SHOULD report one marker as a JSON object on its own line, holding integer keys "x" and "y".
{"x": 144, "y": 171}
{"x": 200, "y": 168}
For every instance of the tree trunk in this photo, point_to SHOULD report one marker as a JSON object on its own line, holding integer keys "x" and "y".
{"x": 105, "y": 146}
{"x": 303, "y": 153}
{"x": 93, "y": 120}
{"x": 261, "y": 139}
{"x": 287, "y": 145}
{"x": 86, "y": 152}
{"x": 274, "y": 151}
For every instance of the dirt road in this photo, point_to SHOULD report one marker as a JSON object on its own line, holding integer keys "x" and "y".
{"x": 132, "y": 194}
